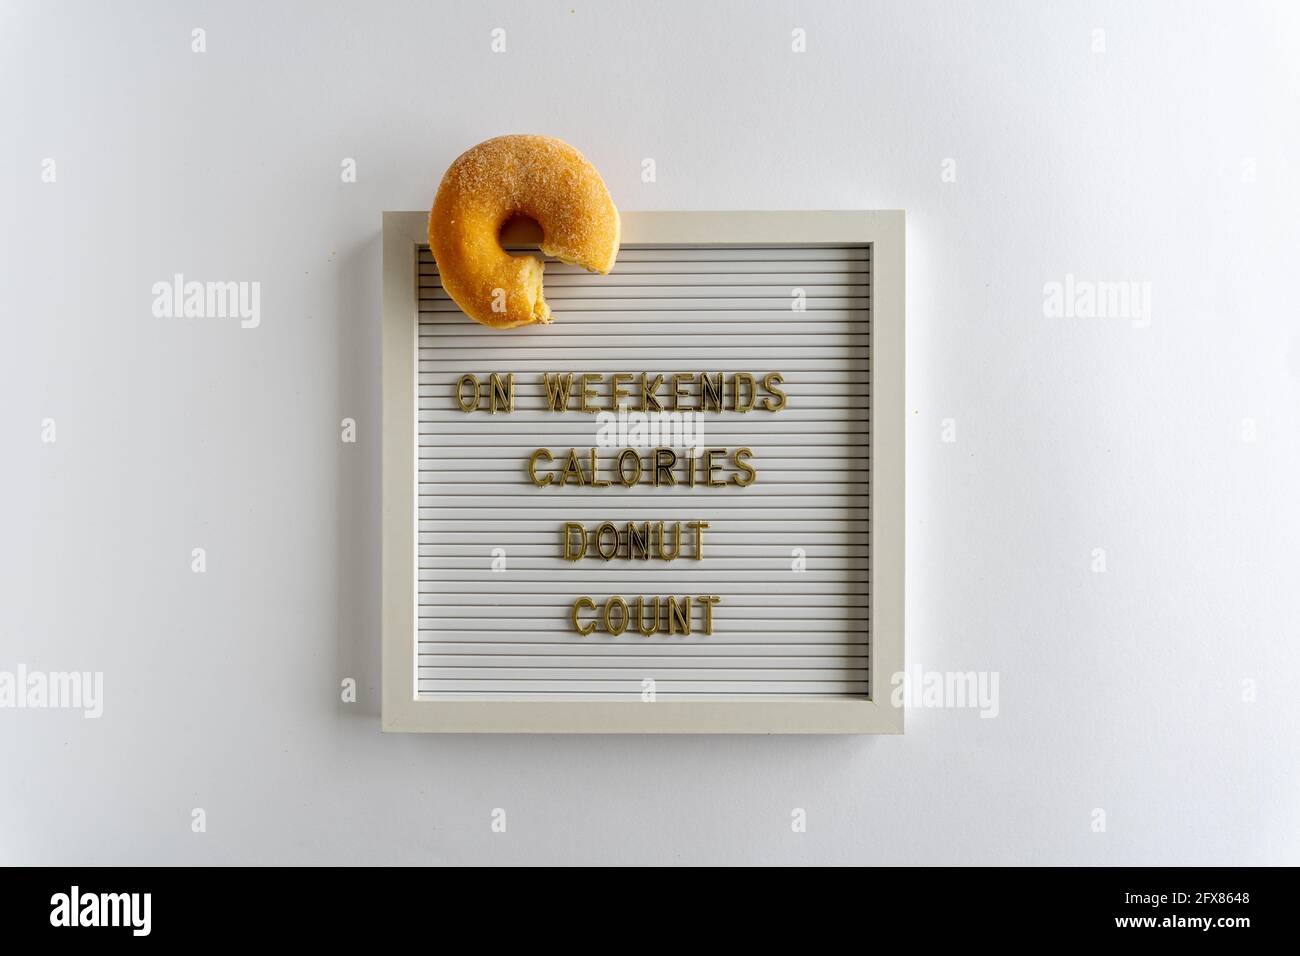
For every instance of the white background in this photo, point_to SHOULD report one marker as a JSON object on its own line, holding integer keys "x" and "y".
{"x": 1169, "y": 158}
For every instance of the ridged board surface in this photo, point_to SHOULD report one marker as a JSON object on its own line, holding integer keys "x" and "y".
{"x": 776, "y": 631}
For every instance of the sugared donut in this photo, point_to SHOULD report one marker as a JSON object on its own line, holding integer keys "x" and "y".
{"x": 535, "y": 176}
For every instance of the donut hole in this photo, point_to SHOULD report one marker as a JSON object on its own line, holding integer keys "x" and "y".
{"x": 521, "y": 235}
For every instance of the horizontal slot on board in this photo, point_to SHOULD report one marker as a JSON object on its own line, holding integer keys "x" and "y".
{"x": 598, "y": 645}
{"x": 819, "y": 456}
{"x": 733, "y": 630}
{"x": 832, "y": 381}
{"x": 581, "y": 649}
{"x": 463, "y": 554}
{"x": 667, "y": 292}
{"x": 614, "y": 436}
{"x": 764, "y": 529}
{"x": 828, "y": 371}
{"x": 649, "y": 306}
{"x": 726, "y": 619}
{"x": 683, "y": 271}
{"x": 791, "y": 491}
{"x": 742, "y": 592}
{"x": 601, "y": 696}
{"x": 659, "y": 672}
{"x": 632, "y": 686}
{"x": 615, "y": 573}
{"x": 694, "y": 255}
{"x": 825, "y": 667}
{"x": 780, "y": 283}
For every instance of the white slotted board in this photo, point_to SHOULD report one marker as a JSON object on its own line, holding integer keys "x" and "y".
{"x": 776, "y": 632}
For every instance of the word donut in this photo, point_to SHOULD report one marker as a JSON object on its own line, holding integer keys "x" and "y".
{"x": 535, "y": 176}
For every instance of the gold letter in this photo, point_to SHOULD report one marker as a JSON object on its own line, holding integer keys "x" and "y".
{"x": 573, "y": 615}
{"x": 665, "y": 458}
{"x": 699, "y": 527}
{"x": 569, "y": 528}
{"x": 640, "y": 617}
{"x": 588, "y": 392}
{"x": 680, "y": 390}
{"x": 460, "y": 392}
{"x": 622, "y": 472}
{"x": 638, "y": 540}
{"x": 710, "y": 392}
{"x": 572, "y": 467}
{"x": 532, "y": 467}
{"x": 739, "y": 457}
{"x": 504, "y": 389}
{"x": 677, "y": 546}
{"x": 618, "y": 602}
{"x": 648, "y": 388}
{"x": 679, "y": 619}
{"x": 742, "y": 406}
{"x": 710, "y": 466}
{"x": 768, "y": 383}
{"x": 708, "y": 600}
{"x": 595, "y": 472}
{"x": 557, "y": 390}
{"x": 600, "y": 540}
{"x": 616, "y": 385}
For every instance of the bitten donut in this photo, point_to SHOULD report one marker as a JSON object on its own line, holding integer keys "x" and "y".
{"x": 535, "y": 176}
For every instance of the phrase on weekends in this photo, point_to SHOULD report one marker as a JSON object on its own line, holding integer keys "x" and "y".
{"x": 636, "y": 464}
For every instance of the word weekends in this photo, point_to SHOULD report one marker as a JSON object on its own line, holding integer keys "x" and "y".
{"x": 599, "y": 393}
{"x": 594, "y": 392}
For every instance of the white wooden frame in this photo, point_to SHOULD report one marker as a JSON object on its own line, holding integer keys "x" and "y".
{"x": 404, "y": 234}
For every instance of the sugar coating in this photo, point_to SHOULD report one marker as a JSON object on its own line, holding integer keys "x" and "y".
{"x": 536, "y": 176}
